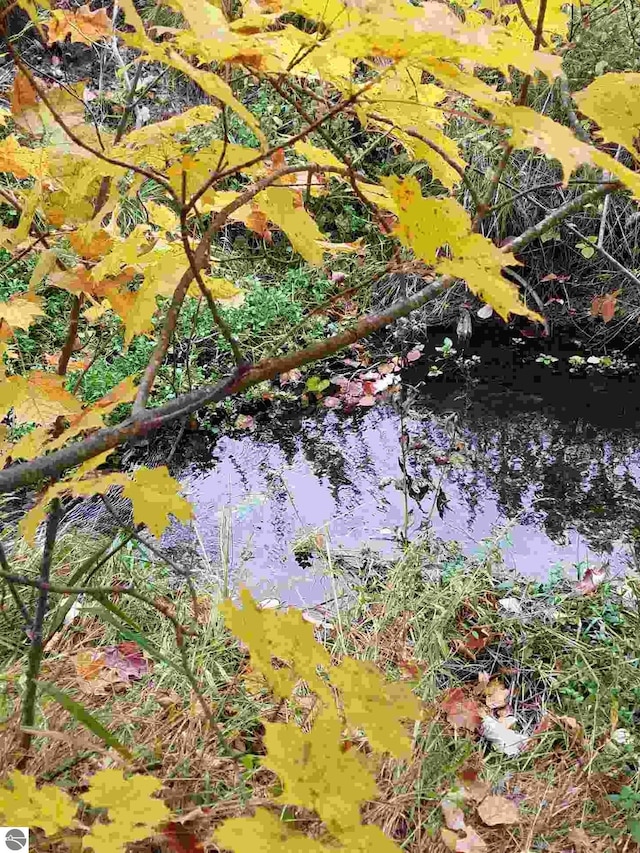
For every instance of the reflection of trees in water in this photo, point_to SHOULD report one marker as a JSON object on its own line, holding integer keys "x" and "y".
{"x": 570, "y": 469}
{"x": 545, "y": 472}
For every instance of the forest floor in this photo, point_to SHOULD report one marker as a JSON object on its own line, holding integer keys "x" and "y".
{"x": 530, "y": 737}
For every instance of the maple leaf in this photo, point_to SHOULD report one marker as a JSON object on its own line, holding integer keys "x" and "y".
{"x": 91, "y": 242}
{"x": 316, "y": 773}
{"x": 76, "y": 280}
{"x": 265, "y": 832}
{"x": 284, "y": 635}
{"x": 127, "y": 660}
{"x": 278, "y": 204}
{"x": 130, "y": 801}
{"x": 21, "y": 309}
{"x": 82, "y": 25}
{"x": 377, "y": 706}
{"x": 494, "y": 811}
{"x": 612, "y": 102}
{"x": 155, "y": 495}
{"x": 426, "y": 224}
{"x": 47, "y": 807}
{"x": 462, "y": 711}
{"x": 38, "y": 397}
{"x": 21, "y": 161}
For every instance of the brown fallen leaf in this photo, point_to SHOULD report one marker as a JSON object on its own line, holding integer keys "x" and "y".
{"x": 471, "y": 843}
{"x": 496, "y": 694}
{"x": 494, "y": 811}
{"x": 579, "y": 839}
{"x": 476, "y": 790}
{"x": 452, "y": 814}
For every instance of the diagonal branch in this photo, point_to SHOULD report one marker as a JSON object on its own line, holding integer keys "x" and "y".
{"x": 143, "y": 422}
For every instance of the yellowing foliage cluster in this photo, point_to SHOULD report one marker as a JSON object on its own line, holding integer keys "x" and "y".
{"x": 396, "y": 66}
{"x": 315, "y": 768}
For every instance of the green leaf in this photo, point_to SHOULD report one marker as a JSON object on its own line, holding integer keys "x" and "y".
{"x": 85, "y": 718}
{"x": 633, "y": 825}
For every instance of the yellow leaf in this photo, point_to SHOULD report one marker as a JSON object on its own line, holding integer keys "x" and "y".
{"x": 128, "y": 800}
{"x": 20, "y": 310}
{"x": 279, "y": 205}
{"x": 426, "y": 224}
{"x": 91, "y": 464}
{"x": 46, "y": 262}
{"x": 47, "y": 807}
{"x": 533, "y": 130}
{"x": 376, "y": 705}
{"x": 317, "y": 774}
{"x": 23, "y": 162}
{"x": 613, "y": 102}
{"x": 317, "y": 155}
{"x": 82, "y": 25}
{"x": 219, "y": 288}
{"x": 479, "y": 262}
{"x": 38, "y": 397}
{"x": 264, "y": 832}
{"x": 115, "y": 837}
{"x": 208, "y": 81}
{"x": 155, "y": 495}
{"x": 92, "y": 485}
{"x": 93, "y": 417}
{"x": 283, "y": 635}
{"x": 27, "y": 447}
{"x": 162, "y": 216}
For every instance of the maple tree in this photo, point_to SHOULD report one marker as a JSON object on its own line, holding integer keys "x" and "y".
{"x": 396, "y": 68}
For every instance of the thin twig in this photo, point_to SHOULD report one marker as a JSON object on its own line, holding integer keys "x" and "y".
{"x": 34, "y": 661}
{"x": 601, "y": 251}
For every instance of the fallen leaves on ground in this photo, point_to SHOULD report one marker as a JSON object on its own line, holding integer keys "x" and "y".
{"x": 471, "y": 843}
{"x": 462, "y": 711}
{"x": 495, "y": 810}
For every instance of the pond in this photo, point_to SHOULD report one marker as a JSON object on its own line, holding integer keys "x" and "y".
{"x": 550, "y": 458}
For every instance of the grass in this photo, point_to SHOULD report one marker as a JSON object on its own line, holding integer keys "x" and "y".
{"x": 570, "y": 663}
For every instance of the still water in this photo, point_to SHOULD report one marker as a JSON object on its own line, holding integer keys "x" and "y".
{"x": 563, "y": 474}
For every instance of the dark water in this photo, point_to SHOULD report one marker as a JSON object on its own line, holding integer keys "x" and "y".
{"x": 554, "y": 457}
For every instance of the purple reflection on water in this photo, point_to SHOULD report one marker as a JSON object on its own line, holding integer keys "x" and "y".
{"x": 272, "y": 502}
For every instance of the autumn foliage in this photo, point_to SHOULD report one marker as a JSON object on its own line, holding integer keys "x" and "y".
{"x": 391, "y": 67}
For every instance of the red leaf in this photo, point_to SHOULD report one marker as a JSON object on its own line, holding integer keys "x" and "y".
{"x": 596, "y": 305}
{"x": 413, "y": 355}
{"x": 591, "y": 581}
{"x": 180, "y": 840}
{"x": 608, "y": 307}
{"x": 462, "y": 712}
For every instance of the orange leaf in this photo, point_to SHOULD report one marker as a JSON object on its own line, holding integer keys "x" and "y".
{"x": 83, "y": 25}
{"x": 91, "y": 245}
{"x": 596, "y": 305}
{"x": 76, "y": 280}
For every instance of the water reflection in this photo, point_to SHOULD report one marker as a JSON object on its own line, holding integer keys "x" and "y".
{"x": 570, "y": 489}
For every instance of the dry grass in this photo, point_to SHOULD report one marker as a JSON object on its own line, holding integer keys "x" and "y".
{"x": 561, "y": 785}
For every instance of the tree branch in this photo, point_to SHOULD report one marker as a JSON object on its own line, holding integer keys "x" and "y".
{"x": 34, "y": 661}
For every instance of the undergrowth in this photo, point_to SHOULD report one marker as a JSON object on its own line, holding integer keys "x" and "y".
{"x": 437, "y": 620}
